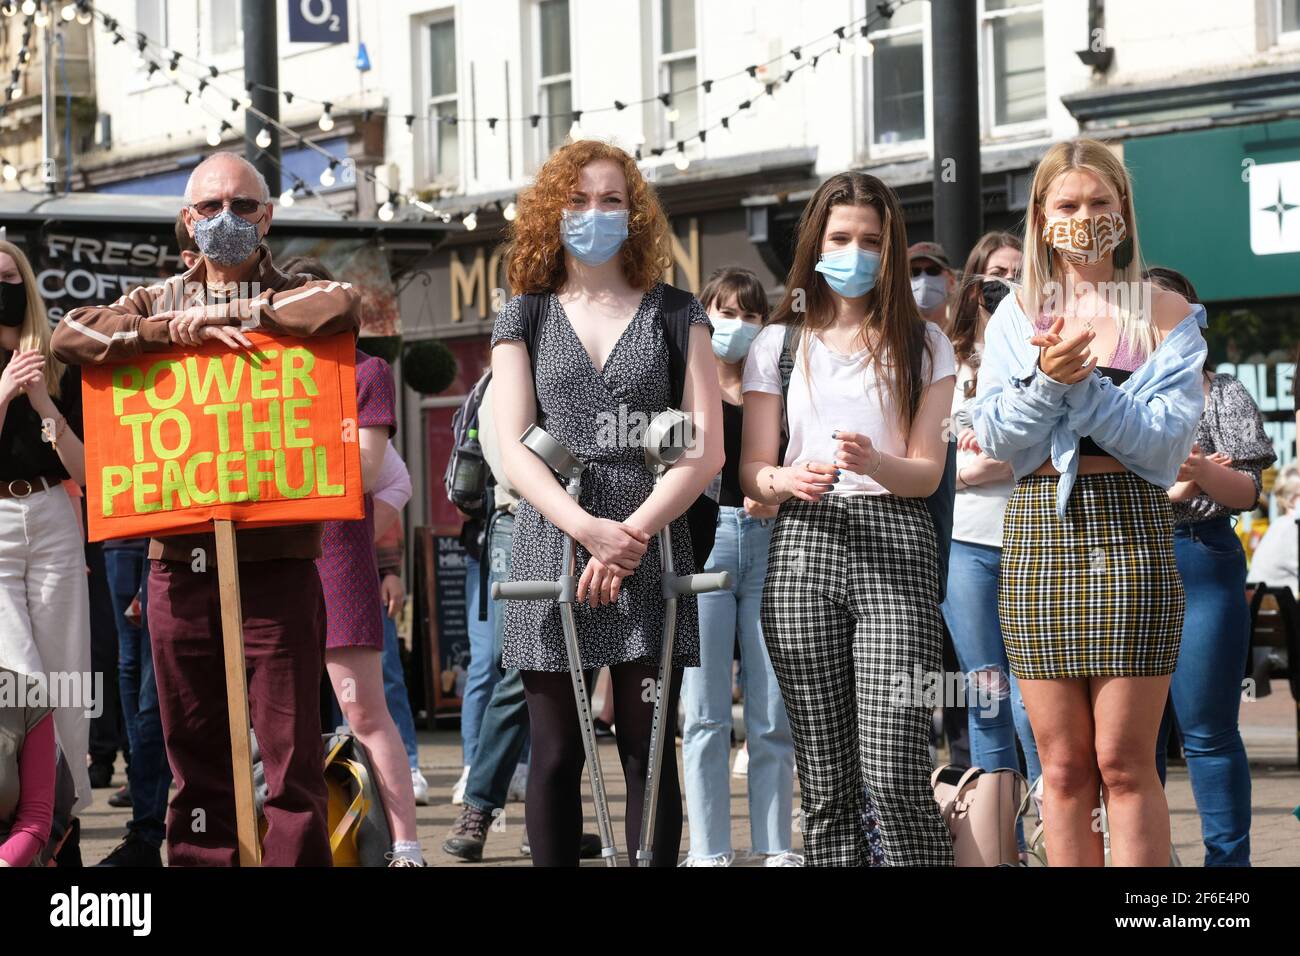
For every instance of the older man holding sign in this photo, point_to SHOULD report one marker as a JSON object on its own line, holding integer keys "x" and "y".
{"x": 227, "y": 396}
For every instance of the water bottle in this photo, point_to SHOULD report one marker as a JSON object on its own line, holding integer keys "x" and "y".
{"x": 467, "y": 478}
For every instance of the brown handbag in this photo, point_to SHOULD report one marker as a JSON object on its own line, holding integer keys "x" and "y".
{"x": 980, "y": 809}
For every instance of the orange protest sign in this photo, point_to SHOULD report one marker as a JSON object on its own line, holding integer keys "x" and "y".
{"x": 266, "y": 436}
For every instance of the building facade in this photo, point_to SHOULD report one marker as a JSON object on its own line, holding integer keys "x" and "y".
{"x": 461, "y": 100}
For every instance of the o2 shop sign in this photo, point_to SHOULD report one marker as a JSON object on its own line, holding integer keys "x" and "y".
{"x": 318, "y": 21}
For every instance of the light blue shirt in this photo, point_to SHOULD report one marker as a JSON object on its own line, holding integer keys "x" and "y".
{"x": 1148, "y": 423}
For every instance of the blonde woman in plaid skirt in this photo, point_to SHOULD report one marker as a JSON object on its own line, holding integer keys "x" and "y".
{"x": 1094, "y": 403}
{"x": 850, "y": 609}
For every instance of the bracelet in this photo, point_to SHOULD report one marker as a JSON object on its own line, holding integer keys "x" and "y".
{"x": 880, "y": 460}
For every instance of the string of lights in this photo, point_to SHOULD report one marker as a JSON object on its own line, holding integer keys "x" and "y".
{"x": 169, "y": 62}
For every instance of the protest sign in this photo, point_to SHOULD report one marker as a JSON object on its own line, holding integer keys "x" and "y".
{"x": 178, "y": 439}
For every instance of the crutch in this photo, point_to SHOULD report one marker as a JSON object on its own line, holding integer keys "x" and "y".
{"x": 564, "y": 592}
{"x": 666, "y": 439}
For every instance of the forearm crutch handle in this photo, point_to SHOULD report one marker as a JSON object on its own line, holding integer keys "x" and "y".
{"x": 526, "y": 591}
{"x": 699, "y": 583}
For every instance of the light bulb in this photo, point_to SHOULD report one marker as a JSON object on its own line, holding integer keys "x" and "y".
{"x": 263, "y": 138}
{"x": 42, "y": 19}
{"x": 69, "y": 11}
{"x": 286, "y": 198}
{"x": 84, "y": 16}
{"x": 246, "y": 101}
{"x": 681, "y": 162}
{"x": 15, "y": 92}
{"x": 326, "y": 121}
{"x": 9, "y": 9}
{"x": 575, "y": 131}
{"x": 863, "y": 46}
{"x": 29, "y": 7}
{"x": 214, "y": 136}
{"x": 511, "y": 212}
{"x": 327, "y": 176}
{"x": 11, "y": 172}
{"x": 470, "y": 222}
{"x": 386, "y": 211}
{"x": 671, "y": 114}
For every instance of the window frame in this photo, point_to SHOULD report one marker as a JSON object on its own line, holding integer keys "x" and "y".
{"x": 541, "y": 84}
{"x": 908, "y": 147}
{"x": 988, "y": 72}
{"x": 232, "y": 58}
{"x": 663, "y": 78}
{"x": 433, "y": 133}
{"x": 1284, "y": 37}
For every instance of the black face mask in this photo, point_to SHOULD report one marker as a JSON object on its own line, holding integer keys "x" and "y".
{"x": 13, "y": 304}
{"x": 992, "y": 292}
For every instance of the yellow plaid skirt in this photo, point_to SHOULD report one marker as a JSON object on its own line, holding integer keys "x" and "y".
{"x": 1095, "y": 595}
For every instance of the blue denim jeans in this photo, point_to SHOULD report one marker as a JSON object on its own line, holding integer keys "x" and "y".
{"x": 149, "y": 776}
{"x": 399, "y": 703}
{"x": 971, "y": 612}
{"x": 1206, "y": 686}
{"x": 483, "y": 672}
{"x": 503, "y": 735}
{"x": 740, "y": 548}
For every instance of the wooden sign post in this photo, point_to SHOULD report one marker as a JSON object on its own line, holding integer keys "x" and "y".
{"x": 186, "y": 441}
{"x": 232, "y": 647}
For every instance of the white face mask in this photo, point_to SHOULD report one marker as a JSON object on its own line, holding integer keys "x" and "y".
{"x": 930, "y": 291}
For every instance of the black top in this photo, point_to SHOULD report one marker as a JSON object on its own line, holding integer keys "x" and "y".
{"x": 24, "y": 453}
{"x": 1086, "y": 445}
{"x": 732, "y": 427}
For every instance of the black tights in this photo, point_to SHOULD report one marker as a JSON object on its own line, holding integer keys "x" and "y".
{"x": 553, "y": 811}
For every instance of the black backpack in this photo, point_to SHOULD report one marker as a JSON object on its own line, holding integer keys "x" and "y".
{"x": 675, "y": 315}
{"x": 466, "y": 418}
{"x": 939, "y": 504}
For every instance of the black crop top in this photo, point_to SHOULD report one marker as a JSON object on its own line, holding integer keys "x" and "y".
{"x": 1086, "y": 445}
{"x": 733, "y": 427}
{"x": 24, "y": 453}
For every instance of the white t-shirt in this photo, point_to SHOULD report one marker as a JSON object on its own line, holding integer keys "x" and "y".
{"x": 843, "y": 397}
{"x": 978, "y": 510}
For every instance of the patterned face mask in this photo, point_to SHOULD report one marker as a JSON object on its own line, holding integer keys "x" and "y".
{"x": 1085, "y": 241}
{"x": 226, "y": 239}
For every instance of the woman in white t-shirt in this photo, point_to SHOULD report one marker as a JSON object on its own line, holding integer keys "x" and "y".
{"x": 996, "y": 711}
{"x": 850, "y": 607}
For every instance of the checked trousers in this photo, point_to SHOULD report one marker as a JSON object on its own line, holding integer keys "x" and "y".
{"x": 851, "y": 619}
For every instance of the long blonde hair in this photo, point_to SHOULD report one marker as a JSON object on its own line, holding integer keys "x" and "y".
{"x": 1040, "y": 267}
{"x": 35, "y": 330}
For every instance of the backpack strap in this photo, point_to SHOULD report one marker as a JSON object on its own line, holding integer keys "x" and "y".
{"x": 675, "y": 314}
{"x": 786, "y": 367}
{"x": 534, "y": 315}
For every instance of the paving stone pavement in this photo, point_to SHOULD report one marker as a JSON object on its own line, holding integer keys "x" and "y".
{"x": 1268, "y": 727}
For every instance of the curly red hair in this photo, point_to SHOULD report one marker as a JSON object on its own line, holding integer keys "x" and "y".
{"x": 536, "y": 255}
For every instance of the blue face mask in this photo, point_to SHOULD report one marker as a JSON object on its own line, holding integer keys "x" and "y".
{"x": 226, "y": 239}
{"x": 850, "y": 271}
{"x": 592, "y": 236}
{"x": 732, "y": 338}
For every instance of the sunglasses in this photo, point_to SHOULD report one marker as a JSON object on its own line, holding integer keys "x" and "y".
{"x": 928, "y": 270}
{"x": 241, "y": 206}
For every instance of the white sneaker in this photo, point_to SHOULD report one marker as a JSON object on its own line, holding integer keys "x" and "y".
{"x": 740, "y": 766}
{"x": 725, "y": 860}
{"x": 421, "y": 788}
{"x": 458, "y": 791}
{"x": 788, "y": 858}
{"x": 518, "y": 784}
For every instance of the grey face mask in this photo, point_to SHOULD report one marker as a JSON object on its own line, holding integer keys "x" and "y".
{"x": 226, "y": 239}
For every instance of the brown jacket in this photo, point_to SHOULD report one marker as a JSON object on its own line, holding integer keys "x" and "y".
{"x": 279, "y": 303}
